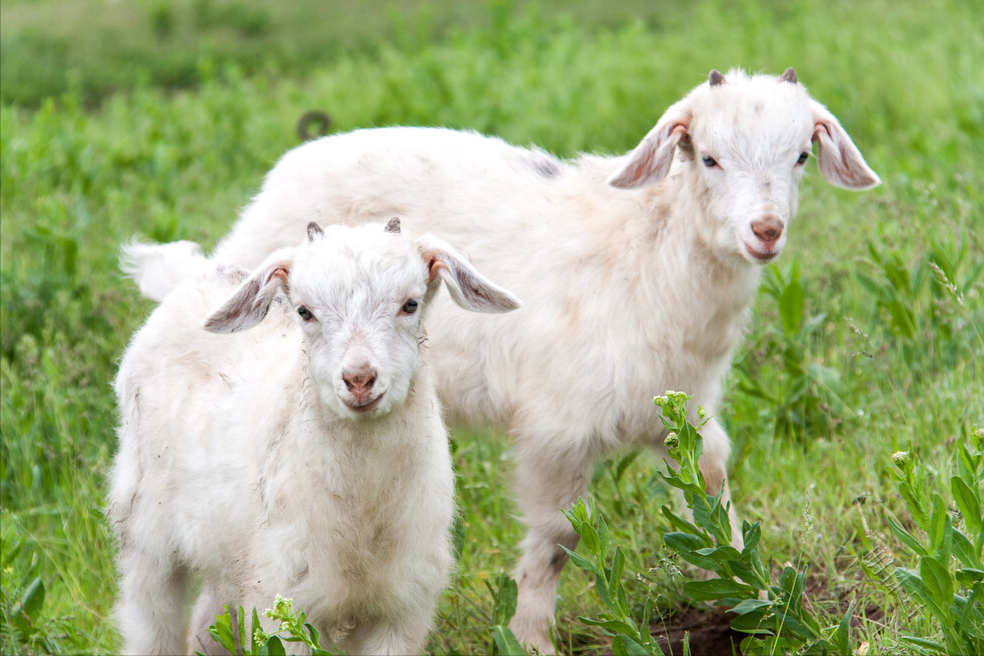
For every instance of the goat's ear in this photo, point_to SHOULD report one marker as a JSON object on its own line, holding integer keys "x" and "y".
{"x": 251, "y": 300}
{"x": 839, "y": 160}
{"x": 650, "y": 161}
{"x": 469, "y": 288}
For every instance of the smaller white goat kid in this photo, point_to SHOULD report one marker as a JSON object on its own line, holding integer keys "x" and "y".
{"x": 304, "y": 457}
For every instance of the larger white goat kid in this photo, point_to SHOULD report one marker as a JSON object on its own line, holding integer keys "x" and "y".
{"x": 304, "y": 457}
{"x": 637, "y": 272}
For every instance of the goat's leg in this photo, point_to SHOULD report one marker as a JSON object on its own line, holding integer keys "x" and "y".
{"x": 403, "y": 633}
{"x": 206, "y": 607}
{"x": 714, "y": 466}
{"x": 548, "y": 480}
{"x": 151, "y": 608}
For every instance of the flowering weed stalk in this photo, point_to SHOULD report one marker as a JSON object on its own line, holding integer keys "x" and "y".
{"x": 230, "y": 628}
{"x": 772, "y": 612}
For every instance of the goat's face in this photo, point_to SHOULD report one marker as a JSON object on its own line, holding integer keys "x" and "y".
{"x": 741, "y": 145}
{"x": 360, "y": 294}
{"x": 746, "y": 147}
{"x": 359, "y": 301}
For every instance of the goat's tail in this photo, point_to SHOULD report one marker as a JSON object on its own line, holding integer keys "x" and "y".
{"x": 158, "y": 268}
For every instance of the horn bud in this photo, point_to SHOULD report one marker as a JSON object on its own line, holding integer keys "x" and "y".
{"x": 314, "y": 230}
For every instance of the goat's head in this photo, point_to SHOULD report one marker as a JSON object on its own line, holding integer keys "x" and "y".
{"x": 742, "y": 143}
{"x": 360, "y": 294}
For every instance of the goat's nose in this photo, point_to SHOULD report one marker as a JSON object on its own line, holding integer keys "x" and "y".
{"x": 359, "y": 381}
{"x": 768, "y": 229}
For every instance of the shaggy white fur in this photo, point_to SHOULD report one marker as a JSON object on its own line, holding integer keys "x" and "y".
{"x": 304, "y": 456}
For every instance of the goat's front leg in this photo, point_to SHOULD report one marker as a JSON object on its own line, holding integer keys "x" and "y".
{"x": 151, "y": 607}
{"x": 404, "y": 632}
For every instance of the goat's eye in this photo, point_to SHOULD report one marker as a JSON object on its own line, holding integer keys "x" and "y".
{"x": 305, "y": 313}
{"x": 409, "y": 307}
{"x": 802, "y": 158}
{"x": 709, "y": 161}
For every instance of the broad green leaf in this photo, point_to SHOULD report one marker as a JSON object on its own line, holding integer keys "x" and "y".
{"x": 760, "y": 620}
{"x": 581, "y": 561}
{"x": 912, "y": 583}
{"x": 626, "y": 646}
{"x": 683, "y": 544}
{"x": 969, "y": 503}
{"x": 925, "y": 644}
{"x": 615, "y": 590}
{"x": 251, "y": 637}
{"x": 905, "y": 537}
{"x": 33, "y": 598}
{"x": 965, "y": 552}
{"x": 504, "y": 593}
{"x": 589, "y": 537}
{"x": 749, "y": 605}
{"x": 712, "y": 518}
{"x": 315, "y": 636}
{"x": 752, "y": 533}
{"x": 747, "y": 574}
{"x": 603, "y": 539}
{"x": 613, "y": 625}
{"x": 713, "y": 589}
{"x": 720, "y": 554}
{"x": 967, "y": 577}
{"x": 686, "y": 541}
{"x": 221, "y": 631}
{"x": 937, "y": 579}
{"x": 684, "y": 526}
{"x": 506, "y": 642}
{"x": 842, "y": 636}
{"x": 967, "y": 615}
{"x": 273, "y": 647}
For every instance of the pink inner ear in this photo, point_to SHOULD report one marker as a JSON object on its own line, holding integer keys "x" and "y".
{"x": 434, "y": 265}
{"x": 281, "y": 272}
{"x": 818, "y": 126}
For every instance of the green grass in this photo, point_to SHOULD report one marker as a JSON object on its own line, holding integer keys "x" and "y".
{"x": 84, "y": 169}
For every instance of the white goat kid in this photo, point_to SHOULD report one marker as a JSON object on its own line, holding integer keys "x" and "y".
{"x": 638, "y": 273}
{"x": 304, "y": 457}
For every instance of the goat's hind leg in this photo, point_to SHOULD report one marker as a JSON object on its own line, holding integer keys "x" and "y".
{"x": 548, "y": 481}
{"x": 714, "y": 466}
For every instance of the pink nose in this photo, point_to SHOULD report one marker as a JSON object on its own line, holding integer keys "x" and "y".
{"x": 359, "y": 382}
{"x": 768, "y": 230}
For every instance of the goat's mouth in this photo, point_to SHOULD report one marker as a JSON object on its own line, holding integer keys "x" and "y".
{"x": 364, "y": 407}
{"x": 762, "y": 256}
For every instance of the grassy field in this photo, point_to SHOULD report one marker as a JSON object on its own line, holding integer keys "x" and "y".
{"x": 99, "y": 141}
